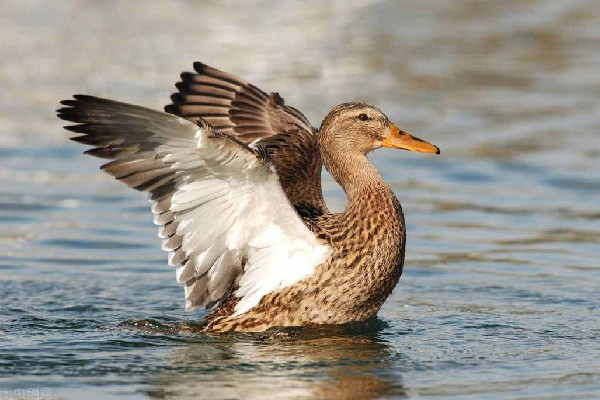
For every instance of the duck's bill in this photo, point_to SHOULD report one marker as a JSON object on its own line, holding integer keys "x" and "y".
{"x": 398, "y": 139}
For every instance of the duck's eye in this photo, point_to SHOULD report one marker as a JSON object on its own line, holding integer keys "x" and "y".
{"x": 363, "y": 117}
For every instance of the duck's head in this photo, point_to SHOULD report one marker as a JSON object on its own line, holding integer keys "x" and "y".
{"x": 359, "y": 127}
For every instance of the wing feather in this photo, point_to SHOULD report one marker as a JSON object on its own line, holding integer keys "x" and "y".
{"x": 241, "y": 110}
{"x": 224, "y": 217}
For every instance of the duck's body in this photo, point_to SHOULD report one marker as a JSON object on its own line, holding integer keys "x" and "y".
{"x": 367, "y": 254}
{"x": 240, "y": 203}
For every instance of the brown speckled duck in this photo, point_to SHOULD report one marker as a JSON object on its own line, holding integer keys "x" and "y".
{"x": 234, "y": 177}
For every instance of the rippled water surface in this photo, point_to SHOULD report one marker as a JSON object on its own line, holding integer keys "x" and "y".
{"x": 500, "y": 297}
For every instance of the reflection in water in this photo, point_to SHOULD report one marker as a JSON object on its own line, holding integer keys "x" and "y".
{"x": 330, "y": 363}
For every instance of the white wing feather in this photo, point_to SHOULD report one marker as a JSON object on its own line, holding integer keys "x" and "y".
{"x": 224, "y": 217}
{"x": 238, "y": 211}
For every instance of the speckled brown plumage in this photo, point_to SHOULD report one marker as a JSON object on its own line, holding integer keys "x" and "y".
{"x": 365, "y": 244}
{"x": 367, "y": 240}
{"x": 366, "y": 263}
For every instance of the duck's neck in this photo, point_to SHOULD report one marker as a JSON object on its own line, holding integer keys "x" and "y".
{"x": 369, "y": 238}
{"x": 362, "y": 184}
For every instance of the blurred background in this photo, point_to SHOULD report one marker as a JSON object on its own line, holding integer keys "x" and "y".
{"x": 500, "y": 296}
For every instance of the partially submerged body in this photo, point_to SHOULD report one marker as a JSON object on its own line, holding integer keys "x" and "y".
{"x": 234, "y": 180}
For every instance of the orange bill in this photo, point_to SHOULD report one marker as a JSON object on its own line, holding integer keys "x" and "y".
{"x": 398, "y": 139}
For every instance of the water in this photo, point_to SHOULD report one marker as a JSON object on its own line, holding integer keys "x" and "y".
{"x": 500, "y": 298}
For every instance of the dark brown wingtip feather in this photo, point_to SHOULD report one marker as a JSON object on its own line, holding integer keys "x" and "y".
{"x": 68, "y": 114}
{"x": 60, "y": 113}
{"x": 68, "y": 102}
{"x": 181, "y": 86}
{"x": 74, "y": 110}
{"x": 174, "y": 108}
{"x": 177, "y": 98}
{"x": 200, "y": 67}
{"x": 81, "y": 128}
{"x": 103, "y": 152}
{"x": 186, "y": 76}
{"x": 84, "y": 97}
{"x": 79, "y": 139}
{"x": 64, "y": 113}
{"x": 171, "y": 109}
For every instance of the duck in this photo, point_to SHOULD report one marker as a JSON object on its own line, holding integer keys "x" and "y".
{"x": 233, "y": 175}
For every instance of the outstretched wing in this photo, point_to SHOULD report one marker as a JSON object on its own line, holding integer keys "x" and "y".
{"x": 222, "y": 213}
{"x": 240, "y": 109}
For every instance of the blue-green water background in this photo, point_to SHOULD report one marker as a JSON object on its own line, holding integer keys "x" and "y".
{"x": 500, "y": 298}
